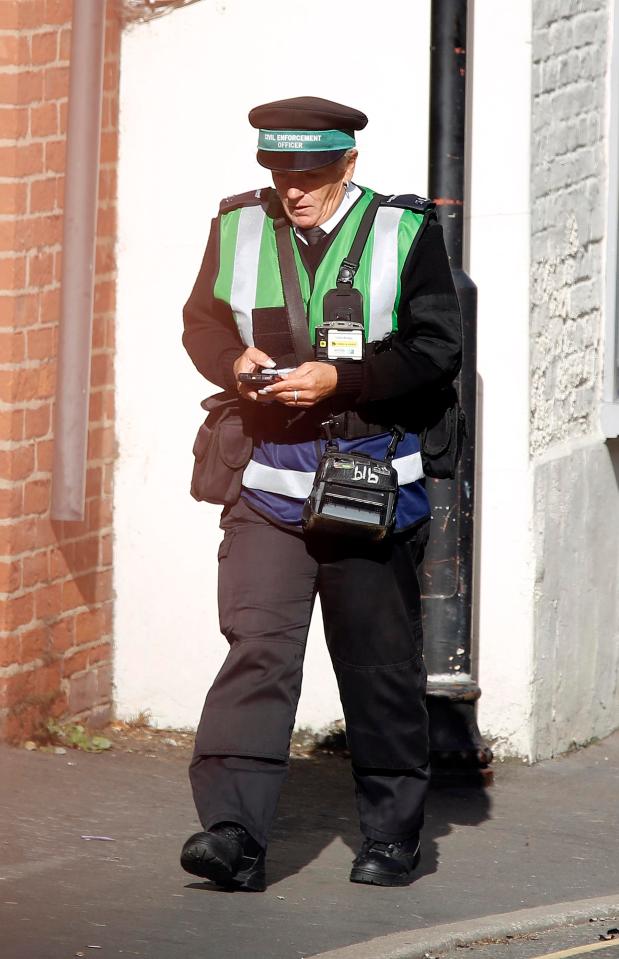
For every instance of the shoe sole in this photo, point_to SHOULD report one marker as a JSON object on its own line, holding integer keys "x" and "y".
{"x": 371, "y": 878}
{"x": 249, "y": 879}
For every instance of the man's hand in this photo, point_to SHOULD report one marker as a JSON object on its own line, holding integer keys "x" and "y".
{"x": 305, "y": 386}
{"x": 248, "y": 362}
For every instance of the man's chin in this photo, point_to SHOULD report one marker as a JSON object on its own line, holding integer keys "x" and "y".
{"x": 305, "y": 221}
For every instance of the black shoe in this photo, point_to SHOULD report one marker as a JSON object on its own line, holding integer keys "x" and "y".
{"x": 386, "y": 863}
{"x": 227, "y": 855}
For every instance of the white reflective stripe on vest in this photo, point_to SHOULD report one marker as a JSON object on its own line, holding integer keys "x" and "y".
{"x": 298, "y": 483}
{"x": 245, "y": 274}
{"x": 385, "y": 274}
{"x": 295, "y": 483}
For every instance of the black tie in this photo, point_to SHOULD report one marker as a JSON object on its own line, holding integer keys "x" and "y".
{"x": 314, "y": 235}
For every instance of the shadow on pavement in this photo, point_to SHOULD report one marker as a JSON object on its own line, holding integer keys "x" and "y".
{"x": 317, "y": 806}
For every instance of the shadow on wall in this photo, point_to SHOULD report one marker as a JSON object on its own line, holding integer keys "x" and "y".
{"x": 613, "y": 451}
{"x": 317, "y": 806}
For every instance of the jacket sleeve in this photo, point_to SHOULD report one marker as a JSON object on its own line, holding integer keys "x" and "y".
{"x": 426, "y": 351}
{"x": 210, "y": 335}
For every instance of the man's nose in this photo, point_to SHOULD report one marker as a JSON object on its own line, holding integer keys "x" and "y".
{"x": 294, "y": 193}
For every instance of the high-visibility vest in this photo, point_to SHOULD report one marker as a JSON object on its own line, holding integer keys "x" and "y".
{"x": 249, "y": 277}
{"x": 279, "y": 477}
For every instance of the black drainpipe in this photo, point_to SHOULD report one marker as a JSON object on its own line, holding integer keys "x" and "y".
{"x": 455, "y": 741}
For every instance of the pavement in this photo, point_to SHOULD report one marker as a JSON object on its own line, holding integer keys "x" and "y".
{"x": 536, "y": 850}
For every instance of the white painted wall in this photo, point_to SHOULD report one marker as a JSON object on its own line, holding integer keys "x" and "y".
{"x": 188, "y": 81}
{"x": 499, "y": 264}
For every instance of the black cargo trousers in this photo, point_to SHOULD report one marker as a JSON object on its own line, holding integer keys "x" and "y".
{"x": 370, "y": 599}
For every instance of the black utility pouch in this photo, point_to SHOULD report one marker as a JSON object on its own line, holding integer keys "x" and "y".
{"x": 441, "y": 443}
{"x": 222, "y": 450}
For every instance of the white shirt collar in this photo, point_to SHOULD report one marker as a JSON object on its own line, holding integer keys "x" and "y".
{"x": 351, "y": 195}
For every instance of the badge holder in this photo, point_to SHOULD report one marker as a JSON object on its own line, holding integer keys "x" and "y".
{"x": 342, "y": 333}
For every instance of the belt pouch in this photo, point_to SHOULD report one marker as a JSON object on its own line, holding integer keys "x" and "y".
{"x": 441, "y": 443}
{"x": 222, "y": 450}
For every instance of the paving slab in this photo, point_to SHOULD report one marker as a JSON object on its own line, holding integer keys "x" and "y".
{"x": 540, "y": 835}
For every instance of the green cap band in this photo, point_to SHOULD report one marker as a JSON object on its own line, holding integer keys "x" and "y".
{"x": 307, "y": 141}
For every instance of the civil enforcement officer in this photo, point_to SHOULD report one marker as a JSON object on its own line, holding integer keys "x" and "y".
{"x": 269, "y": 571}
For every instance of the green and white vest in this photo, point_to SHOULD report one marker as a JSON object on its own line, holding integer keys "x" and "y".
{"x": 249, "y": 278}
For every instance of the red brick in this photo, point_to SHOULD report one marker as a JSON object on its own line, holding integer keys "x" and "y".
{"x": 40, "y": 269}
{"x": 106, "y": 551}
{"x": 13, "y": 196}
{"x": 17, "y": 611}
{"x": 75, "y": 663}
{"x": 18, "y": 537}
{"x": 58, "y": 12}
{"x": 48, "y": 601}
{"x": 43, "y": 195}
{"x": 56, "y": 83}
{"x": 34, "y": 643}
{"x": 83, "y": 691}
{"x": 21, "y": 88}
{"x": 44, "y": 455}
{"x": 20, "y": 309}
{"x": 89, "y": 626}
{"x": 11, "y": 498}
{"x": 14, "y": 122}
{"x": 105, "y": 297}
{"x": 37, "y": 497}
{"x": 9, "y": 651}
{"x": 9, "y": 49}
{"x": 17, "y": 463}
{"x": 8, "y": 229}
{"x": 38, "y": 421}
{"x": 64, "y": 44}
{"x": 86, "y": 554}
{"x": 20, "y": 14}
{"x": 109, "y": 402}
{"x": 15, "y": 430}
{"x": 101, "y": 444}
{"x": 45, "y": 532}
{"x": 44, "y": 47}
{"x": 54, "y": 156}
{"x": 44, "y": 120}
{"x": 10, "y": 576}
{"x": 101, "y": 369}
{"x": 99, "y": 654}
{"x": 72, "y": 595}
{"x": 41, "y": 343}
{"x": 50, "y": 306}
{"x": 94, "y": 480}
{"x": 12, "y": 272}
{"x": 62, "y": 634}
{"x": 46, "y": 230}
{"x": 12, "y": 347}
{"x": 95, "y": 408}
{"x": 35, "y": 570}
{"x": 61, "y": 561}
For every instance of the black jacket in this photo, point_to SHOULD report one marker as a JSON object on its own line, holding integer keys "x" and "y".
{"x": 398, "y": 373}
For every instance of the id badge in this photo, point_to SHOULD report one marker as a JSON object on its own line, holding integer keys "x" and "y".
{"x": 344, "y": 344}
{"x": 340, "y": 341}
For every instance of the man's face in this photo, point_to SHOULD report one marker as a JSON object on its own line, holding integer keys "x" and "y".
{"x": 310, "y": 197}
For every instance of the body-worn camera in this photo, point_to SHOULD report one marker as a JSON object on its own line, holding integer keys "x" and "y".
{"x": 342, "y": 334}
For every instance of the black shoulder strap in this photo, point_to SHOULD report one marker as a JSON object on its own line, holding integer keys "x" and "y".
{"x": 350, "y": 264}
{"x": 295, "y": 309}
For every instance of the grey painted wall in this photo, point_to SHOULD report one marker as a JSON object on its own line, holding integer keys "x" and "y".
{"x": 576, "y": 500}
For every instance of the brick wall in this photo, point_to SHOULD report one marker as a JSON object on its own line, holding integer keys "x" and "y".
{"x": 55, "y": 577}
{"x": 568, "y": 198}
